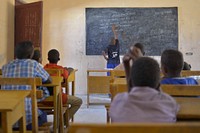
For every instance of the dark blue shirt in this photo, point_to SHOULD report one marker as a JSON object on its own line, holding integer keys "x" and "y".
{"x": 113, "y": 53}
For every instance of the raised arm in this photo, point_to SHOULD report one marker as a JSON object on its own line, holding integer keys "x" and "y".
{"x": 126, "y": 62}
{"x": 132, "y": 55}
{"x": 114, "y": 31}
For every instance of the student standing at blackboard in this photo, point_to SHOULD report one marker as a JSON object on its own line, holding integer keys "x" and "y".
{"x": 113, "y": 51}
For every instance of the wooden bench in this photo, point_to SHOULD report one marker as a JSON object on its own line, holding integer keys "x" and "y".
{"x": 186, "y": 127}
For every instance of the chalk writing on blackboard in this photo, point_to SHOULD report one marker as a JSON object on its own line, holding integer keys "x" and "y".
{"x": 156, "y": 28}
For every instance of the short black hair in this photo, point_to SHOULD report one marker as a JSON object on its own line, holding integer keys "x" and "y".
{"x": 36, "y": 55}
{"x": 186, "y": 66}
{"x": 24, "y": 50}
{"x": 53, "y": 56}
{"x": 172, "y": 60}
{"x": 141, "y": 47}
{"x": 145, "y": 72}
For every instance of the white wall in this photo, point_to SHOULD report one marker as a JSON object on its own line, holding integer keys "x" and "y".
{"x": 6, "y": 31}
{"x": 64, "y": 29}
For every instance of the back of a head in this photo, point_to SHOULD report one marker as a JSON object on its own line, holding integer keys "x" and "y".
{"x": 145, "y": 72}
{"x": 186, "y": 66}
{"x": 24, "y": 50}
{"x": 172, "y": 60}
{"x": 141, "y": 47}
{"x": 36, "y": 55}
{"x": 53, "y": 56}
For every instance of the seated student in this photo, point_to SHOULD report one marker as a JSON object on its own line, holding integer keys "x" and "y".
{"x": 144, "y": 102}
{"x": 137, "y": 50}
{"x": 171, "y": 66}
{"x": 23, "y": 66}
{"x": 186, "y": 66}
{"x": 37, "y": 56}
{"x": 75, "y": 102}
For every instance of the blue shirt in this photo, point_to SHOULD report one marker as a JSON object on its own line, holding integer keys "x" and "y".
{"x": 179, "y": 80}
{"x": 24, "y": 68}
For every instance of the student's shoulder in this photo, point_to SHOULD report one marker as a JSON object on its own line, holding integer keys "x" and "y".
{"x": 120, "y": 97}
{"x": 191, "y": 80}
{"x": 60, "y": 67}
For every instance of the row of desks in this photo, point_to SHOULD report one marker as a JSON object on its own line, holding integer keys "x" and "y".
{"x": 12, "y": 107}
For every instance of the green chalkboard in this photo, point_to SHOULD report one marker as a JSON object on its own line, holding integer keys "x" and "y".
{"x": 155, "y": 28}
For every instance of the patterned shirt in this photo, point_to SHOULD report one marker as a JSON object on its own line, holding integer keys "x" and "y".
{"x": 24, "y": 68}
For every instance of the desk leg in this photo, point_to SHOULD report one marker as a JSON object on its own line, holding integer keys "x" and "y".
{"x": 55, "y": 115}
{"x": 67, "y": 88}
{"x": 22, "y": 121}
{"x": 6, "y": 123}
{"x": 73, "y": 88}
{"x": 60, "y": 106}
{"x": 107, "y": 114}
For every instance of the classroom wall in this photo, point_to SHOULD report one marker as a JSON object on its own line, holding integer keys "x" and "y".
{"x": 64, "y": 29}
{"x": 6, "y": 31}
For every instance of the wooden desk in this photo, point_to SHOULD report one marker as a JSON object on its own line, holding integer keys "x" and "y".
{"x": 12, "y": 108}
{"x": 187, "y": 96}
{"x": 189, "y": 108}
{"x": 57, "y": 103}
{"x": 183, "y": 127}
{"x": 71, "y": 79}
{"x": 97, "y": 83}
{"x": 120, "y": 81}
{"x": 187, "y": 73}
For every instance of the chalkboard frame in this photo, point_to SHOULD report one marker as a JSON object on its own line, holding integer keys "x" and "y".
{"x": 163, "y": 33}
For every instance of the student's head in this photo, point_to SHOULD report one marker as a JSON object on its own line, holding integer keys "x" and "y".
{"x": 186, "y": 66}
{"x": 113, "y": 41}
{"x": 145, "y": 72}
{"x": 53, "y": 56}
{"x": 140, "y": 46}
{"x": 37, "y": 55}
{"x": 171, "y": 63}
{"x": 24, "y": 50}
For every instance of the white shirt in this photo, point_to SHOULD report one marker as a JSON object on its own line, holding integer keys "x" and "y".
{"x": 143, "y": 104}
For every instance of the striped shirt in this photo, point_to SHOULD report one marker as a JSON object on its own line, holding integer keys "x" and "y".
{"x": 24, "y": 68}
